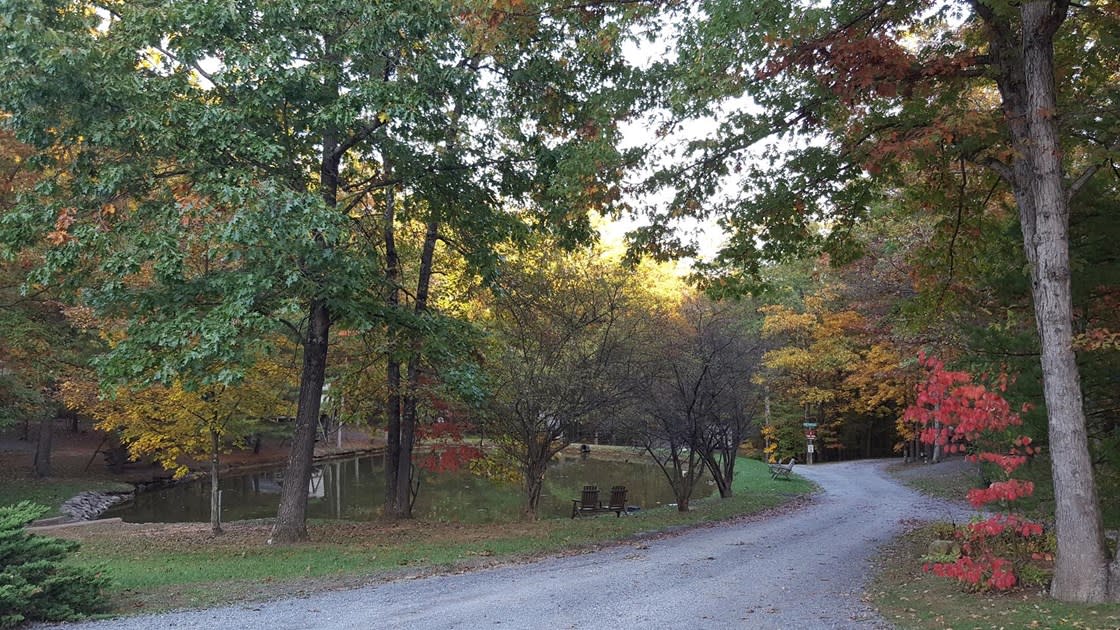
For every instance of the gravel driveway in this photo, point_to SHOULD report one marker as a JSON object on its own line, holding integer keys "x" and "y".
{"x": 801, "y": 569}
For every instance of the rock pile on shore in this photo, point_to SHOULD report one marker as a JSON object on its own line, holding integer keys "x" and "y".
{"x": 90, "y": 504}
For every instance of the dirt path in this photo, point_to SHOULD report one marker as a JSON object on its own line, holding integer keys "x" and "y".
{"x": 804, "y": 569}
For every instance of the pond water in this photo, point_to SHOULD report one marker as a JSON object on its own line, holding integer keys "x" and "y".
{"x": 353, "y": 489}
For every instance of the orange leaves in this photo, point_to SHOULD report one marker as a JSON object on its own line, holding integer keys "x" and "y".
{"x": 488, "y": 23}
{"x": 61, "y": 233}
{"x": 1097, "y": 339}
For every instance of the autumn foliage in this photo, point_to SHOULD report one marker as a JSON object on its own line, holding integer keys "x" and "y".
{"x": 964, "y": 416}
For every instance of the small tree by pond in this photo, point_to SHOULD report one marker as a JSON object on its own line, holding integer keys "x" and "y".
{"x": 699, "y": 402}
{"x": 564, "y": 333}
{"x": 175, "y": 424}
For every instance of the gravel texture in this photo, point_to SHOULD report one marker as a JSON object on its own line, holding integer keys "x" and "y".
{"x": 804, "y": 568}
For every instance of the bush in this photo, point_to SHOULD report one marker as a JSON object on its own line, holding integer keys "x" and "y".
{"x": 1000, "y": 552}
{"x": 35, "y": 584}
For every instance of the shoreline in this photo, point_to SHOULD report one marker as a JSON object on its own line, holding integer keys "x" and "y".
{"x": 86, "y": 507}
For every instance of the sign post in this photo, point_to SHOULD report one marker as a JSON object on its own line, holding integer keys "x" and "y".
{"x": 810, "y": 440}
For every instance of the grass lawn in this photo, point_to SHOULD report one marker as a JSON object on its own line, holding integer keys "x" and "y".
{"x": 910, "y": 598}
{"x": 162, "y": 566}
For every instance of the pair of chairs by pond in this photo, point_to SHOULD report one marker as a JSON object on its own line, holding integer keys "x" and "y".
{"x": 589, "y": 502}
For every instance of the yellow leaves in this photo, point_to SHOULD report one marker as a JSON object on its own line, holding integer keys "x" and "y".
{"x": 173, "y": 424}
{"x": 150, "y": 59}
{"x": 831, "y": 361}
{"x": 782, "y": 320}
{"x": 789, "y": 359}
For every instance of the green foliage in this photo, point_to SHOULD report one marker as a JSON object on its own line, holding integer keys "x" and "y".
{"x": 35, "y": 583}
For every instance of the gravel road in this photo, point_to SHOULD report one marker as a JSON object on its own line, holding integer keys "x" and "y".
{"x": 805, "y": 568}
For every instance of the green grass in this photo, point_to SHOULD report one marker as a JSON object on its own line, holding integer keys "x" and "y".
{"x": 159, "y": 567}
{"x": 52, "y": 492}
{"x": 912, "y": 599}
{"x": 1039, "y": 506}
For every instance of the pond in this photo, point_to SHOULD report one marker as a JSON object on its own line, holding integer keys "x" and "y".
{"x": 353, "y": 489}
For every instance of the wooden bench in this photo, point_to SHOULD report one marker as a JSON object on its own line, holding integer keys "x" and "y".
{"x": 588, "y": 502}
{"x": 782, "y": 471}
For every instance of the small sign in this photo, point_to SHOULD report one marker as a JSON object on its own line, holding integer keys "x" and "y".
{"x": 809, "y": 425}
{"x": 811, "y": 434}
{"x": 812, "y": 449}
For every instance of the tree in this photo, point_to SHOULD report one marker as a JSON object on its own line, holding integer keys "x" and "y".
{"x": 814, "y": 351}
{"x": 980, "y": 87}
{"x": 961, "y": 415}
{"x": 177, "y": 426}
{"x": 209, "y": 164}
{"x": 39, "y": 348}
{"x": 564, "y": 330}
{"x": 700, "y": 398}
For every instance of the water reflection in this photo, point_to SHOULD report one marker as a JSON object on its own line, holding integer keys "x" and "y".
{"x": 353, "y": 490}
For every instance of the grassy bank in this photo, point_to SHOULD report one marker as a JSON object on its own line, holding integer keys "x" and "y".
{"x": 161, "y": 566}
{"x": 911, "y": 598}
{"x": 53, "y": 492}
{"x": 953, "y": 479}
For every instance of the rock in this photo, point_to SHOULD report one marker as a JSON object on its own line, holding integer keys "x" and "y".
{"x": 944, "y": 548}
{"x": 90, "y": 504}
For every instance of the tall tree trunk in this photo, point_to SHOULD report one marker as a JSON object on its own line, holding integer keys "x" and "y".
{"x": 215, "y": 493}
{"x": 402, "y": 501}
{"x": 534, "y": 485}
{"x": 722, "y": 472}
{"x": 392, "y": 364}
{"x": 291, "y": 517}
{"x": 1024, "y": 61}
{"x": 43, "y": 446}
{"x": 409, "y": 418}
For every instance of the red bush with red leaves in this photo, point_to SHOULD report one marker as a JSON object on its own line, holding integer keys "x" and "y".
{"x": 964, "y": 416}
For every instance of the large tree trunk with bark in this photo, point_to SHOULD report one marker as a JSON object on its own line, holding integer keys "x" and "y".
{"x": 407, "y": 438}
{"x": 291, "y": 517}
{"x": 1024, "y": 62}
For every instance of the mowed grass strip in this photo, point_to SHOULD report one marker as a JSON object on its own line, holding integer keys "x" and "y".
{"x": 163, "y": 566}
{"x": 910, "y": 598}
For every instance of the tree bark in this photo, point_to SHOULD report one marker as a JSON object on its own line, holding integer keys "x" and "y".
{"x": 404, "y": 496}
{"x": 392, "y": 365}
{"x": 43, "y": 446}
{"x": 722, "y": 469}
{"x": 1025, "y": 75}
{"x": 291, "y": 517}
{"x": 215, "y": 493}
{"x": 534, "y": 485}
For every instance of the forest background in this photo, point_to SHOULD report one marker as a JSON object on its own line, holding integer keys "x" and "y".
{"x": 413, "y": 192}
